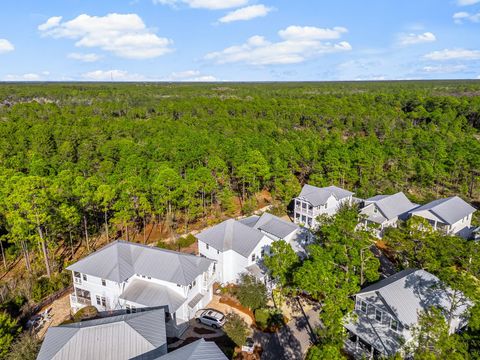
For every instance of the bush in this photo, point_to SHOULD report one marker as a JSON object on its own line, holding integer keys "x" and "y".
{"x": 14, "y": 305}
{"x": 86, "y": 313}
{"x": 251, "y": 293}
{"x": 187, "y": 241}
{"x": 26, "y": 347}
{"x": 44, "y": 286}
{"x": 166, "y": 245}
{"x": 261, "y": 318}
{"x": 9, "y": 329}
{"x": 236, "y": 328}
{"x": 269, "y": 319}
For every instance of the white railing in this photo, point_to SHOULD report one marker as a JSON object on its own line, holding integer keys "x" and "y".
{"x": 74, "y": 299}
{"x": 303, "y": 211}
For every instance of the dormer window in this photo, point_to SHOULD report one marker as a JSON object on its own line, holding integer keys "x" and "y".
{"x": 208, "y": 246}
{"x": 378, "y": 315}
{"x": 394, "y": 325}
{"x": 253, "y": 257}
{"x": 104, "y": 282}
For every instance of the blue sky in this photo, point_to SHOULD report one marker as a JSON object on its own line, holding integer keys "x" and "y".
{"x": 239, "y": 40}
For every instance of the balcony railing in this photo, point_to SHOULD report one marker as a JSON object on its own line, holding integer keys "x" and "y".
{"x": 303, "y": 211}
{"x": 77, "y": 280}
{"x": 80, "y": 300}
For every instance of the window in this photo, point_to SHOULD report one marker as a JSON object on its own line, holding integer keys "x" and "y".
{"x": 394, "y": 325}
{"x": 378, "y": 315}
{"x": 149, "y": 277}
{"x": 363, "y": 306}
{"x": 297, "y": 216}
{"x": 304, "y": 205}
{"x": 304, "y": 219}
{"x": 309, "y": 221}
{"x": 375, "y": 209}
{"x": 253, "y": 257}
{"x": 104, "y": 282}
{"x": 133, "y": 309}
{"x": 104, "y": 302}
{"x": 218, "y": 252}
{"x": 99, "y": 302}
{"x": 84, "y": 277}
{"x": 208, "y": 246}
{"x": 262, "y": 253}
{"x": 127, "y": 308}
{"x": 76, "y": 274}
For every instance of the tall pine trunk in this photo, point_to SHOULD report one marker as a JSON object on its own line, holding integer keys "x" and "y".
{"x": 106, "y": 226}
{"x": 44, "y": 247}
{"x": 86, "y": 232}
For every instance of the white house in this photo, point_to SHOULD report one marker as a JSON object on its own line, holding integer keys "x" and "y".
{"x": 314, "y": 201}
{"x": 234, "y": 246}
{"x": 128, "y": 276}
{"x": 387, "y": 311}
{"x": 451, "y": 215}
{"x": 382, "y": 211}
{"x": 238, "y": 246}
{"x": 277, "y": 228}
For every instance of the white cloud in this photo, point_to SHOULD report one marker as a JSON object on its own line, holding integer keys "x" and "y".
{"x": 460, "y": 17}
{"x": 246, "y": 13}
{"x": 205, "y": 4}
{"x": 443, "y": 69}
{"x": 467, "y": 2}
{"x": 124, "y": 35}
{"x": 25, "y": 77}
{"x": 453, "y": 54}
{"x": 6, "y": 46}
{"x": 122, "y": 75}
{"x": 297, "y": 45}
{"x": 112, "y": 75}
{"x": 189, "y": 75}
{"x": 412, "y": 39}
{"x": 84, "y": 57}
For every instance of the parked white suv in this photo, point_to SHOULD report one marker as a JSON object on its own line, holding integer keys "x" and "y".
{"x": 211, "y": 317}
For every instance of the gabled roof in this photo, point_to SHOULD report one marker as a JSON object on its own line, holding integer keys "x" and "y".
{"x": 232, "y": 235}
{"x": 274, "y": 225}
{"x": 198, "y": 350}
{"x": 319, "y": 196}
{"x": 114, "y": 338}
{"x": 450, "y": 210}
{"x": 120, "y": 260}
{"x": 409, "y": 292}
{"x": 151, "y": 294}
{"x": 392, "y": 206}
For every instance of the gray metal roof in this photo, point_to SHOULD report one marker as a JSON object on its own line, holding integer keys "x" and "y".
{"x": 275, "y": 225}
{"x": 231, "y": 235}
{"x": 150, "y": 294}
{"x": 392, "y": 206}
{"x": 139, "y": 336}
{"x": 198, "y": 350}
{"x": 120, "y": 260}
{"x": 250, "y": 221}
{"x": 409, "y": 292}
{"x": 450, "y": 210}
{"x": 319, "y": 196}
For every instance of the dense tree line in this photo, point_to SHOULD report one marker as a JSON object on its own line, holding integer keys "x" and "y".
{"x": 79, "y": 159}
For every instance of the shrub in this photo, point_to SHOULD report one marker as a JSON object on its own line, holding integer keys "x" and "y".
{"x": 45, "y": 286}
{"x": 187, "y": 241}
{"x": 8, "y": 330}
{"x": 236, "y": 328}
{"x": 251, "y": 293}
{"x": 261, "y": 318}
{"x": 86, "y": 313}
{"x": 166, "y": 245}
{"x": 26, "y": 347}
{"x": 269, "y": 319}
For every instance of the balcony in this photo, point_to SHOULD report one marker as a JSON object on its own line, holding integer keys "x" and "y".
{"x": 301, "y": 210}
{"x": 77, "y": 280}
{"x": 74, "y": 299}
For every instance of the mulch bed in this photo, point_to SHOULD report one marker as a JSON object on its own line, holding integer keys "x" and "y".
{"x": 235, "y": 304}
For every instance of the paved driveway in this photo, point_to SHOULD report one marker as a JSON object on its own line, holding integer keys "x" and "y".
{"x": 292, "y": 341}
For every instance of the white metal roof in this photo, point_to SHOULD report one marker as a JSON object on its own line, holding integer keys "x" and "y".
{"x": 450, "y": 210}
{"x": 120, "y": 260}
{"x": 198, "y": 350}
{"x": 114, "y": 338}
{"x": 319, "y": 196}
{"x": 392, "y": 206}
